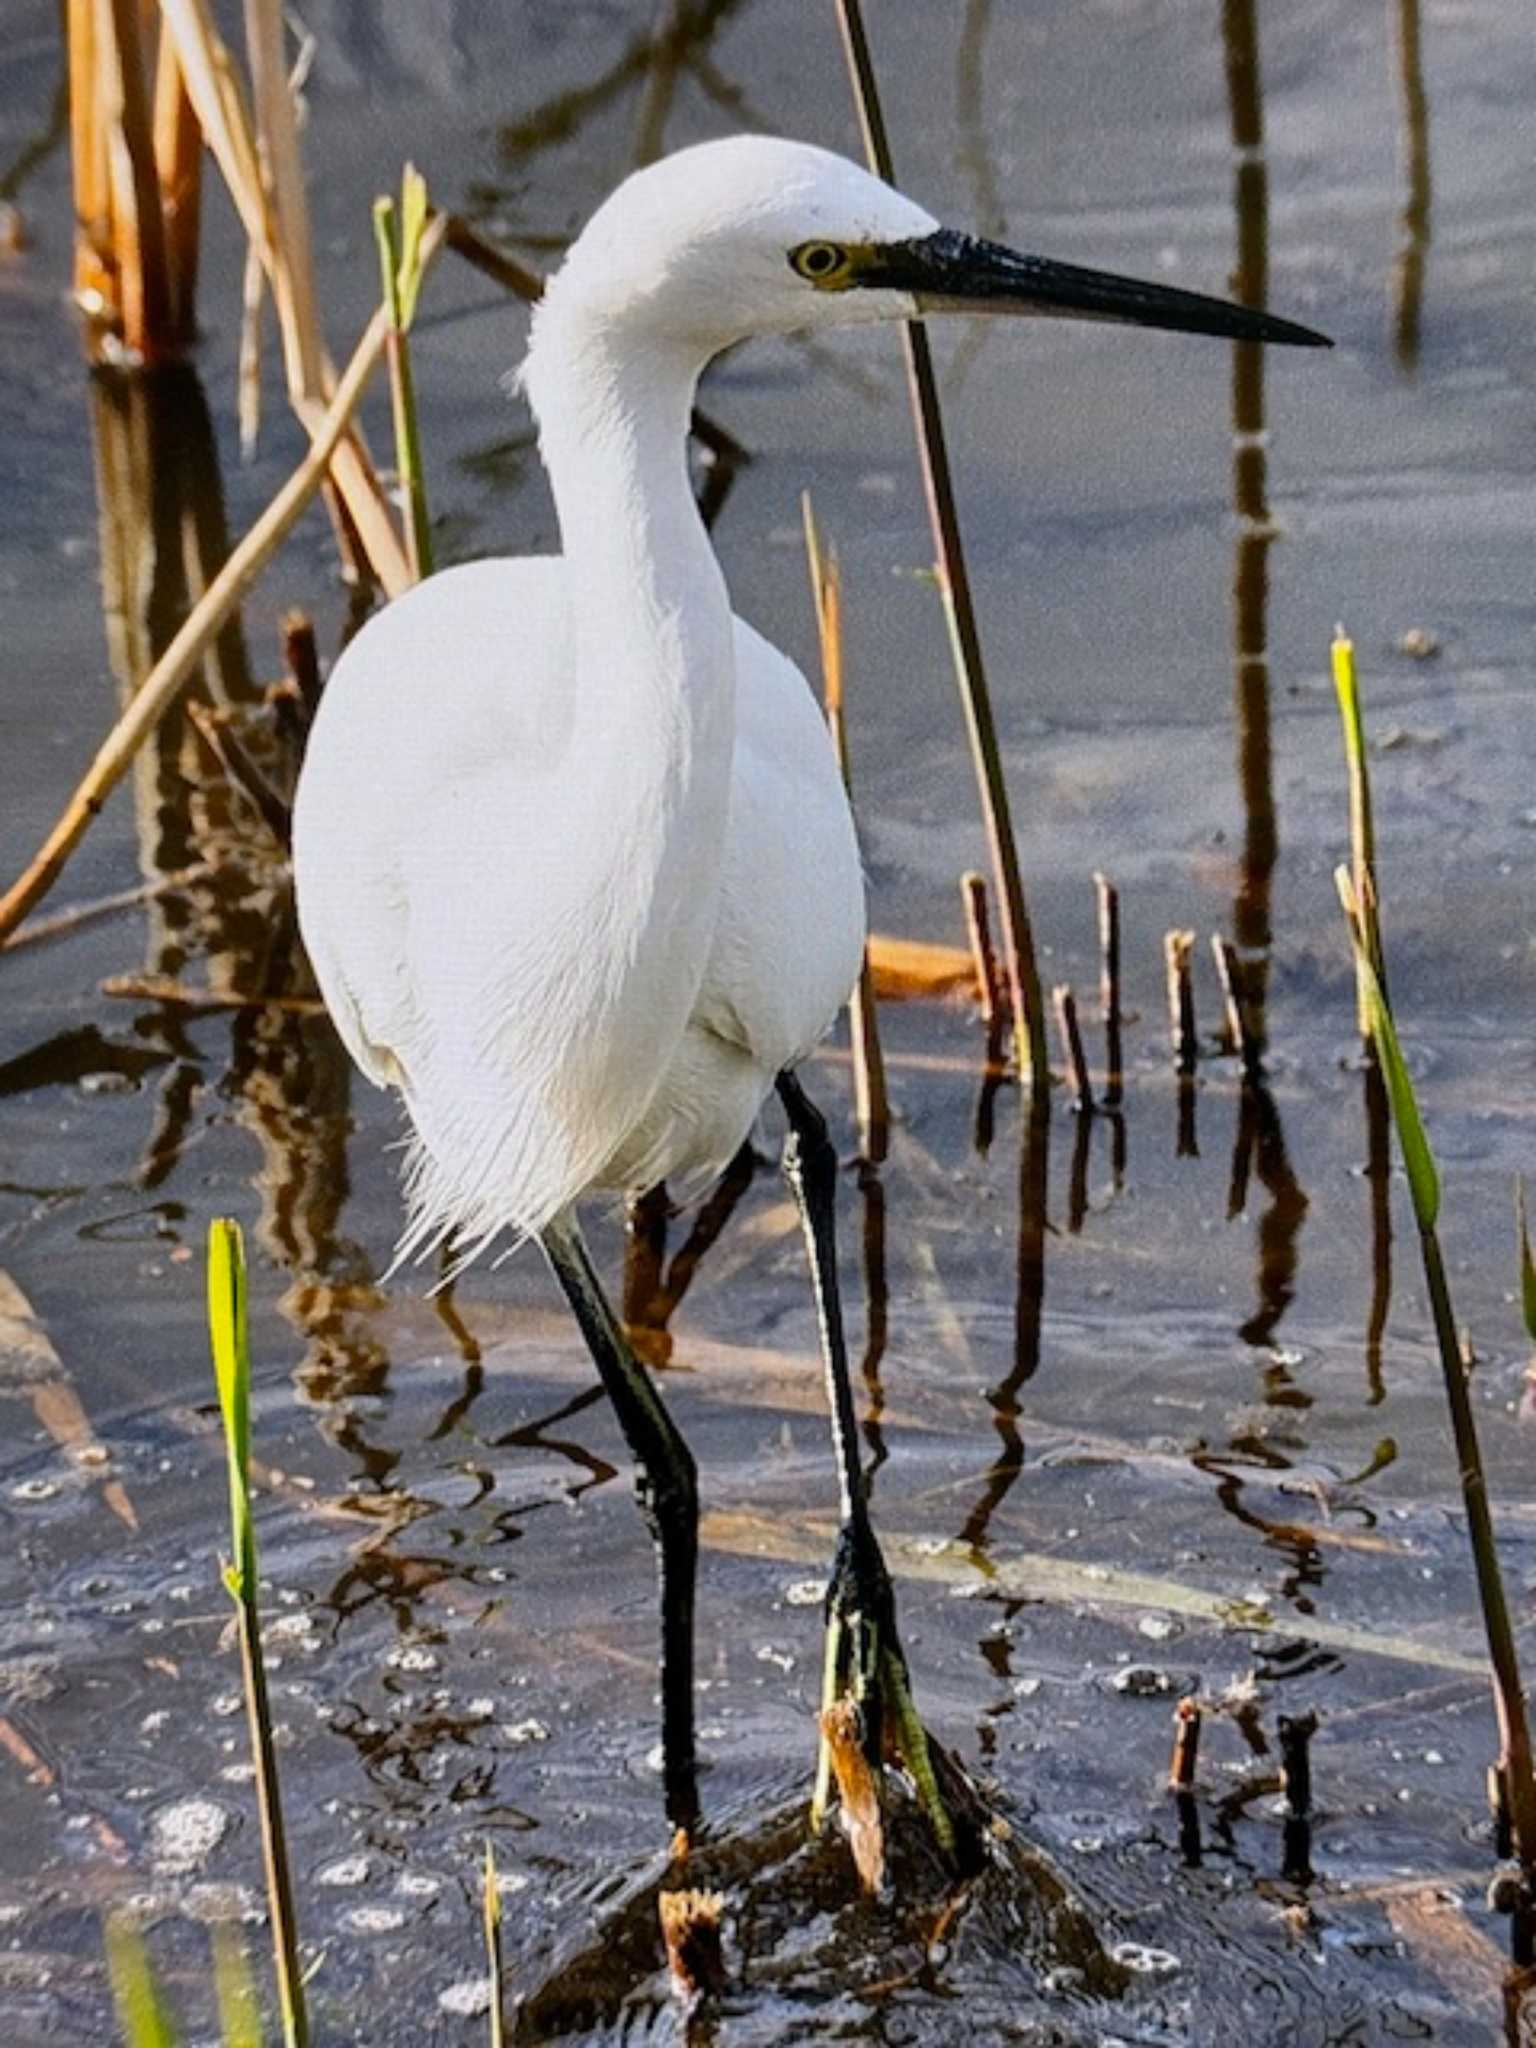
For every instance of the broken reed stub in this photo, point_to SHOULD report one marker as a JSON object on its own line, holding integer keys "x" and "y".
{"x": 691, "y": 1923}
{"x": 1294, "y": 1733}
{"x": 1178, "y": 958}
{"x": 1186, "y": 1746}
{"x": 842, "y": 1728}
{"x": 978, "y": 923}
{"x": 1109, "y": 987}
{"x": 1234, "y": 995}
{"x": 1064, "y": 1003}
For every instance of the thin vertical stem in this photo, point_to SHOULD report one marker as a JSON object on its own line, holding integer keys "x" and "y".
{"x": 1508, "y": 1699}
{"x": 178, "y": 143}
{"x": 1109, "y": 988}
{"x": 870, "y": 1098}
{"x": 978, "y": 923}
{"x": 1064, "y": 1004}
{"x": 959, "y": 611}
{"x": 1178, "y": 955}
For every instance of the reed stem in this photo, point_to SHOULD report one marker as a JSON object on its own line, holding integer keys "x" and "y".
{"x": 1109, "y": 989}
{"x": 1064, "y": 1004}
{"x": 1515, "y": 1762}
{"x": 959, "y": 611}
{"x": 227, "y": 1328}
{"x": 1178, "y": 959}
{"x": 399, "y": 244}
{"x": 490, "y": 1905}
{"x": 871, "y": 1100}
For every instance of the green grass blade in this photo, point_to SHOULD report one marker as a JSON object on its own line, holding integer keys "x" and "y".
{"x": 141, "y": 2012}
{"x": 1423, "y": 1180}
{"x": 227, "y": 1331}
{"x": 387, "y": 241}
{"x": 491, "y": 1910}
{"x": 239, "y": 2014}
{"x": 1527, "y": 1264}
{"x": 232, "y": 1372}
{"x": 413, "y": 225}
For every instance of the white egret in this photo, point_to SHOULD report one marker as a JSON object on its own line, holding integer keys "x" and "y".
{"x": 574, "y": 862}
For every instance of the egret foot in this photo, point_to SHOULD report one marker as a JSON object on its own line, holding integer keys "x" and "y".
{"x": 868, "y": 1717}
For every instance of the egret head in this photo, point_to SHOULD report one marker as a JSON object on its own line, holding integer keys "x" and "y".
{"x": 754, "y": 235}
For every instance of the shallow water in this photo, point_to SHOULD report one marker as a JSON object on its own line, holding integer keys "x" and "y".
{"x": 1159, "y": 1438}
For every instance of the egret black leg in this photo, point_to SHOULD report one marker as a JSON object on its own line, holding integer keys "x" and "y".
{"x": 864, "y": 1657}
{"x": 666, "y": 1485}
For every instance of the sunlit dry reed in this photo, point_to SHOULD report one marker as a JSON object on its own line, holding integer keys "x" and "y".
{"x": 1178, "y": 960}
{"x": 871, "y": 1103}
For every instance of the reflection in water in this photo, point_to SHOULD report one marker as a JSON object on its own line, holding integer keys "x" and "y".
{"x": 39, "y": 147}
{"x": 1259, "y": 1147}
{"x": 877, "y": 1303}
{"x": 975, "y": 161}
{"x": 681, "y": 37}
{"x": 163, "y": 539}
{"x": 652, "y": 1290}
{"x": 1029, "y": 1306}
{"x": 1378, "y": 1172}
{"x": 1413, "y": 245}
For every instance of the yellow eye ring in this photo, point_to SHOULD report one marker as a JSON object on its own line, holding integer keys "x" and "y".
{"x": 824, "y": 264}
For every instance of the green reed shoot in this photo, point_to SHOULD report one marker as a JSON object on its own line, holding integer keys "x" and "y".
{"x": 398, "y": 235}
{"x": 491, "y": 1913}
{"x": 1362, "y": 827}
{"x": 141, "y": 2012}
{"x": 1359, "y": 901}
{"x": 1527, "y": 1264}
{"x": 227, "y": 1328}
{"x": 235, "y": 1988}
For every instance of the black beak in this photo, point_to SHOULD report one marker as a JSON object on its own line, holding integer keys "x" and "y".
{"x": 952, "y": 273}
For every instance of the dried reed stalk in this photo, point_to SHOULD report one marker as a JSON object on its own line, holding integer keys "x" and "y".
{"x": 1178, "y": 958}
{"x": 214, "y": 89}
{"x": 690, "y": 1930}
{"x": 858, "y": 1792}
{"x": 871, "y": 1102}
{"x": 164, "y": 988}
{"x": 1186, "y": 1746}
{"x": 1109, "y": 988}
{"x": 38, "y": 931}
{"x": 959, "y": 611}
{"x": 120, "y": 275}
{"x": 1064, "y": 1003}
{"x": 95, "y": 271}
{"x": 978, "y": 924}
{"x": 1229, "y": 973}
{"x": 178, "y": 148}
{"x": 160, "y": 686}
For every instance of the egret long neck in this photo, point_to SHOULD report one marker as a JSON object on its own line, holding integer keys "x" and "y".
{"x": 651, "y": 617}
{"x": 647, "y": 765}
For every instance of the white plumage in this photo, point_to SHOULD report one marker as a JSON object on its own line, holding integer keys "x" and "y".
{"x": 575, "y": 866}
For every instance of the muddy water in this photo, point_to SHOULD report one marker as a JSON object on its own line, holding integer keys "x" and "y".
{"x": 1153, "y": 1398}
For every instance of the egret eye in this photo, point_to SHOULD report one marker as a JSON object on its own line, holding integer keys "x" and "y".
{"x": 821, "y": 263}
